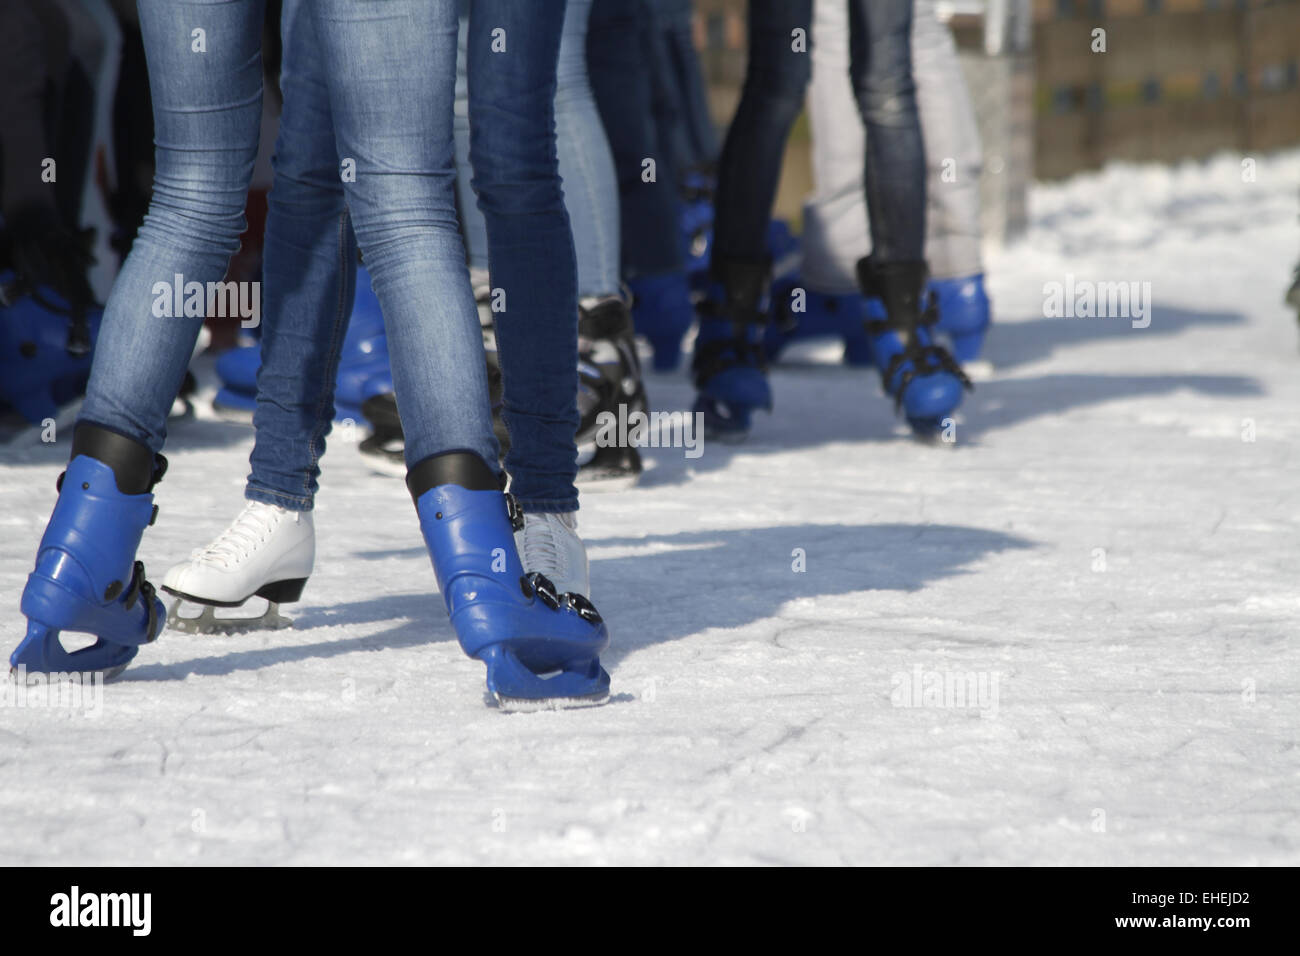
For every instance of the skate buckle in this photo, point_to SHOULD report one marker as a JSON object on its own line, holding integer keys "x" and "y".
{"x": 515, "y": 512}
{"x": 544, "y": 589}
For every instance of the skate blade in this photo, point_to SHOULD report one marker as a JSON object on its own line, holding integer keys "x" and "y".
{"x": 207, "y": 622}
{"x": 31, "y": 678}
{"x": 526, "y": 705}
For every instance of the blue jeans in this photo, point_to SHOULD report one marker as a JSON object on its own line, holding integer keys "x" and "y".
{"x": 530, "y": 246}
{"x": 365, "y": 144}
{"x": 681, "y": 102}
{"x": 621, "y": 56}
{"x": 775, "y": 80}
{"x": 586, "y": 163}
{"x": 207, "y": 116}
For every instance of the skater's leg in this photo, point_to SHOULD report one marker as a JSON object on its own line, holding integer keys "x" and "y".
{"x": 608, "y": 369}
{"x": 881, "y": 66}
{"x": 951, "y": 138}
{"x": 617, "y": 58}
{"x": 698, "y": 143}
{"x": 953, "y": 202}
{"x": 207, "y": 116}
{"x": 750, "y": 166}
{"x": 919, "y": 374}
{"x": 530, "y": 246}
{"x": 728, "y": 362}
{"x": 207, "y": 109}
{"x": 472, "y": 224}
{"x": 586, "y": 162}
{"x": 393, "y": 117}
{"x": 619, "y": 64}
{"x": 309, "y": 265}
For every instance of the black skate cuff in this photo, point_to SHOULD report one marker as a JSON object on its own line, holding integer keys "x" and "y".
{"x": 464, "y": 468}
{"x": 135, "y": 468}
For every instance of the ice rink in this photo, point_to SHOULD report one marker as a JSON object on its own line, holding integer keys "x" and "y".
{"x": 1109, "y": 554}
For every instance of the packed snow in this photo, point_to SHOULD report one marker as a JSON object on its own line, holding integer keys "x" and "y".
{"x": 1062, "y": 638}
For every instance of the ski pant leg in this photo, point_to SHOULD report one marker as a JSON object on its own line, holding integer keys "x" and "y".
{"x": 952, "y": 147}
{"x": 749, "y": 169}
{"x": 205, "y": 78}
{"x": 391, "y": 71}
{"x": 309, "y": 270}
{"x": 618, "y": 60}
{"x": 835, "y": 234}
{"x": 530, "y": 244}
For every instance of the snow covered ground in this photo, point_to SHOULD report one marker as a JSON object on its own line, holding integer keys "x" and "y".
{"x": 1105, "y": 553}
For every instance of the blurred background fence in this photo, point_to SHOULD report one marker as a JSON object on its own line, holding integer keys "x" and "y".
{"x": 1062, "y": 86}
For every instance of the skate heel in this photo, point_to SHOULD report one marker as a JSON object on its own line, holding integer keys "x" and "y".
{"x": 282, "y": 592}
{"x": 86, "y": 578}
{"x": 517, "y": 688}
{"x": 40, "y": 652}
{"x": 538, "y": 645}
{"x": 56, "y": 595}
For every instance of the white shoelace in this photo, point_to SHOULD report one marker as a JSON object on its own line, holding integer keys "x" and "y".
{"x": 245, "y": 533}
{"x": 542, "y": 552}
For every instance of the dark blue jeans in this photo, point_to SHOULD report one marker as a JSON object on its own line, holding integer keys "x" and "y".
{"x": 681, "y": 103}
{"x": 775, "y": 80}
{"x": 620, "y": 59}
{"x": 530, "y": 244}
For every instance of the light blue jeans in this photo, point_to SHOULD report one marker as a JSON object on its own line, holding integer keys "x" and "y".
{"x": 207, "y": 109}
{"x": 369, "y": 93}
{"x": 365, "y": 144}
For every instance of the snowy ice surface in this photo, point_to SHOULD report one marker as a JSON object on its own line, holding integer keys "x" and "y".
{"x": 1102, "y": 541}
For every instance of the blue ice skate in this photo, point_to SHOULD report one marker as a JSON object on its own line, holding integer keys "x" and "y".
{"x": 542, "y": 649}
{"x": 662, "y": 311}
{"x": 86, "y": 578}
{"x": 925, "y": 381}
{"x": 731, "y": 376}
{"x": 40, "y": 367}
{"x": 730, "y": 368}
{"x": 963, "y": 314}
{"x": 801, "y": 313}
